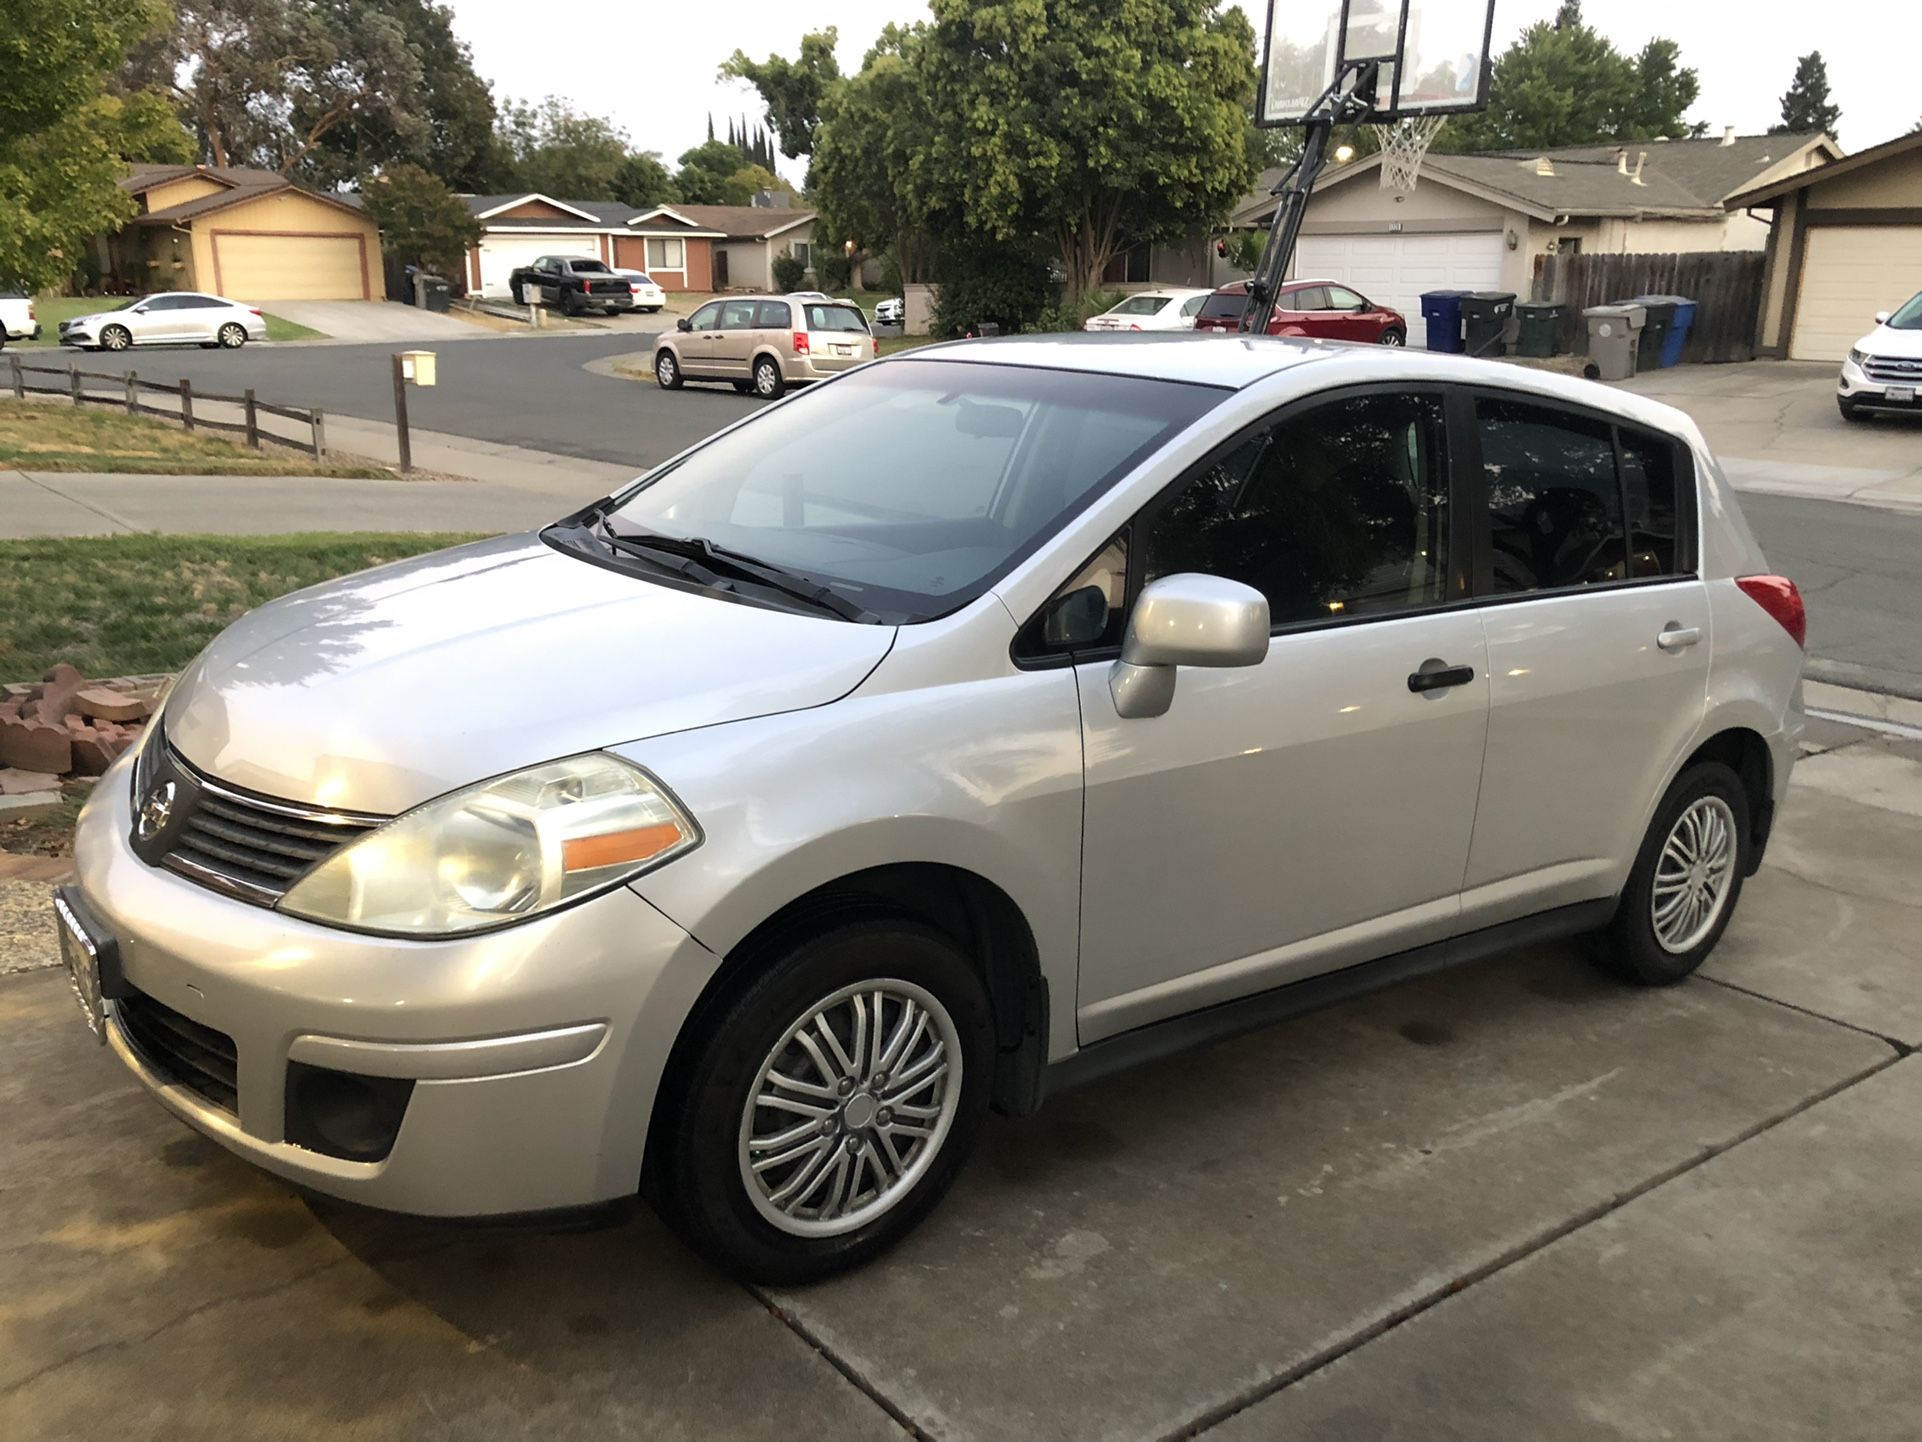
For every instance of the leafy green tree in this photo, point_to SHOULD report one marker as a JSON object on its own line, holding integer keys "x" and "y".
{"x": 705, "y": 170}
{"x": 741, "y": 187}
{"x": 1563, "y": 83}
{"x": 420, "y": 219}
{"x": 1093, "y": 127}
{"x": 66, "y": 134}
{"x": 555, "y": 149}
{"x": 644, "y": 180}
{"x": 1805, "y": 104}
{"x": 792, "y": 90}
{"x": 872, "y": 143}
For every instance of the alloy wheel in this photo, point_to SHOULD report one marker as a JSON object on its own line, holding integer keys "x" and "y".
{"x": 1693, "y": 875}
{"x": 850, "y": 1108}
{"x": 664, "y": 369}
{"x": 232, "y": 336}
{"x": 767, "y": 380}
{"x": 1393, "y": 337}
{"x": 115, "y": 338}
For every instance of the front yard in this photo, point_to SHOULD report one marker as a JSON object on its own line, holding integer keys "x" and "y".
{"x": 55, "y": 436}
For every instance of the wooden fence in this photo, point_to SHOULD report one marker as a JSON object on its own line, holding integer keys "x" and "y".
{"x": 128, "y": 389}
{"x": 1726, "y": 286}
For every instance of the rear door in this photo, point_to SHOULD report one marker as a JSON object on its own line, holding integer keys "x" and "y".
{"x": 1598, "y": 645}
{"x": 734, "y": 341}
{"x": 838, "y": 336}
{"x": 1298, "y": 311}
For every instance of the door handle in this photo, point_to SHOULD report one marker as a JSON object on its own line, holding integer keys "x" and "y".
{"x": 1435, "y": 674}
{"x": 1677, "y": 638}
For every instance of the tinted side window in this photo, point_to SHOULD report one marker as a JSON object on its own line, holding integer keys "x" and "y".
{"x": 773, "y": 315}
{"x": 1656, "y": 546}
{"x": 1554, "y": 509}
{"x": 1339, "y": 510}
{"x": 1309, "y": 297}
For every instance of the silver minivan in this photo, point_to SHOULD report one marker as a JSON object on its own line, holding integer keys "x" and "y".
{"x": 764, "y": 343}
{"x": 804, "y": 801}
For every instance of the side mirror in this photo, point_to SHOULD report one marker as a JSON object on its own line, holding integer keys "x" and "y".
{"x": 684, "y": 324}
{"x": 1882, "y": 317}
{"x": 1185, "y": 620}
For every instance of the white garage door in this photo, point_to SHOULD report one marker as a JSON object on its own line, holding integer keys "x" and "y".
{"x": 1849, "y": 272}
{"x": 1394, "y": 270}
{"x": 502, "y": 255}
{"x": 292, "y": 267}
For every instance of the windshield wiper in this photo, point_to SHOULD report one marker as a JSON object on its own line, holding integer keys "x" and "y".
{"x": 705, "y": 562}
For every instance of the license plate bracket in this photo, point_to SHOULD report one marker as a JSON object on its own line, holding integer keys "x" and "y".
{"x": 92, "y": 959}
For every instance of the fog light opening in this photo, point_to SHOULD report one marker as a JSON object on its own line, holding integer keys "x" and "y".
{"x": 343, "y": 1114}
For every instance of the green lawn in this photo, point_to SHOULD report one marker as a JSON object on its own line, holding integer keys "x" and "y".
{"x": 52, "y": 309}
{"x": 55, "y": 436}
{"x": 127, "y": 605}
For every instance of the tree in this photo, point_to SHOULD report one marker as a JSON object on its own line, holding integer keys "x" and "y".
{"x": 643, "y": 180}
{"x": 420, "y": 219}
{"x": 558, "y": 151}
{"x": 66, "y": 135}
{"x": 1095, "y": 127}
{"x": 705, "y": 170}
{"x": 874, "y": 135}
{"x": 743, "y": 185}
{"x": 1805, "y": 104}
{"x": 1563, "y": 83}
{"x": 792, "y": 90}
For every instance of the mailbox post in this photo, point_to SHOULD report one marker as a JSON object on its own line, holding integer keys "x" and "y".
{"x": 416, "y": 367}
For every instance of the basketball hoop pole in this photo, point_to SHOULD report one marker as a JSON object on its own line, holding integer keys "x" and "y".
{"x": 1335, "y": 105}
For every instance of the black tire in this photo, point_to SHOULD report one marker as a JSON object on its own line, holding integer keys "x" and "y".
{"x": 232, "y": 336}
{"x": 210, "y": 345}
{"x": 698, "y": 1171}
{"x": 115, "y": 337}
{"x": 746, "y": 388}
{"x": 768, "y": 381}
{"x": 1394, "y": 337}
{"x": 520, "y": 296}
{"x": 570, "y": 303}
{"x": 1849, "y": 411}
{"x": 667, "y": 371}
{"x": 1629, "y": 946}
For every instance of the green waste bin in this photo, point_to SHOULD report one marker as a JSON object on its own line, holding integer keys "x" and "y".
{"x": 1541, "y": 322}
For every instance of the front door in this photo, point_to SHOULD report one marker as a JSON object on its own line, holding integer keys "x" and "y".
{"x": 1598, "y": 648}
{"x": 1316, "y": 810}
{"x": 1349, "y": 317}
{"x": 697, "y": 342}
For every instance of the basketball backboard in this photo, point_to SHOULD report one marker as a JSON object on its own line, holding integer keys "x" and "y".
{"x": 1432, "y": 56}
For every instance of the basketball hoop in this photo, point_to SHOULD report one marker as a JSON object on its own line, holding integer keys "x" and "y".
{"x": 1403, "y": 145}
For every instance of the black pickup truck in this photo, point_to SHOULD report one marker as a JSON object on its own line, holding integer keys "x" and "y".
{"x": 575, "y": 283}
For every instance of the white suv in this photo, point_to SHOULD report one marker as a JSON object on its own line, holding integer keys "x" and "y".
{"x": 17, "y": 318}
{"x": 1883, "y": 371}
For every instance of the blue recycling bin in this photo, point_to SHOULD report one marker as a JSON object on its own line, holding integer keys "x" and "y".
{"x": 1442, "y": 310}
{"x": 1678, "y": 328}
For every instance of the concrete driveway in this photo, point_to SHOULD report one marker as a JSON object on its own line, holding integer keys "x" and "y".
{"x": 1514, "y": 1200}
{"x": 363, "y": 321}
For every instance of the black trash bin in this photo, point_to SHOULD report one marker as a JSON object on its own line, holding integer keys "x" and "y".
{"x": 1485, "y": 316}
{"x": 1541, "y": 325}
{"x": 432, "y": 292}
{"x": 1661, "y": 316}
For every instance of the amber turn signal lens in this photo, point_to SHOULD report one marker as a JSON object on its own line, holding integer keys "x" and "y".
{"x": 617, "y": 848}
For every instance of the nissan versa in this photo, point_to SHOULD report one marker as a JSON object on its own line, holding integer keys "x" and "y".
{"x": 806, "y": 800}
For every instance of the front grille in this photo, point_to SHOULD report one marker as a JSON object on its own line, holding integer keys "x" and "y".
{"x": 251, "y": 847}
{"x": 1889, "y": 371}
{"x": 181, "y": 1049}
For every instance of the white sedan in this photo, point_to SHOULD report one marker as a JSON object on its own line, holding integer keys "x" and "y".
{"x": 647, "y": 294}
{"x": 176, "y": 318}
{"x": 1152, "y": 310}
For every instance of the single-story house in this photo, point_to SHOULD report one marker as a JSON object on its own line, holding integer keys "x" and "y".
{"x": 1846, "y": 242}
{"x": 1477, "y": 222}
{"x": 683, "y": 247}
{"x": 247, "y": 234}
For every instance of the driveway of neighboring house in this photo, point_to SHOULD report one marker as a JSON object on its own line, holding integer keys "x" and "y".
{"x": 365, "y": 321}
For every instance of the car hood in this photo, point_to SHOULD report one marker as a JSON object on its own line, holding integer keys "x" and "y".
{"x": 382, "y": 690}
{"x": 1886, "y": 340}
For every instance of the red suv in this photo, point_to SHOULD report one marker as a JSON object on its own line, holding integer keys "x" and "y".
{"x": 1325, "y": 309}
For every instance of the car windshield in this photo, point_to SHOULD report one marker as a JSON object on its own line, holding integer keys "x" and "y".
{"x": 1909, "y": 317}
{"x": 1140, "y": 305}
{"x": 835, "y": 317}
{"x": 1224, "y": 307}
{"x": 960, "y": 470}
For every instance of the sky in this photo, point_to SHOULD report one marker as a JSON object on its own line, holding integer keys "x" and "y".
{"x": 651, "y": 69}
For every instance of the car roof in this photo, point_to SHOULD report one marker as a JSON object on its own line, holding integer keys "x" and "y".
{"x": 1240, "y": 287}
{"x": 1238, "y": 361}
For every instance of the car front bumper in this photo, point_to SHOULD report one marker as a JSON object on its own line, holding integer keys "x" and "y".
{"x": 1856, "y": 387}
{"x": 535, "y": 1051}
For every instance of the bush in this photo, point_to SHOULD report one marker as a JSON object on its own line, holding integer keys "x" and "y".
{"x": 833, "y": 271}
{"x": 788, "y": 272}
{"x": 1064, "y": 314}
{"x": 984, "y": 283}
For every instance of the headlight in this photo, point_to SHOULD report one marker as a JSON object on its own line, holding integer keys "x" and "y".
{"x": 1858, "y": 357}
{"x": 501, "y": 851}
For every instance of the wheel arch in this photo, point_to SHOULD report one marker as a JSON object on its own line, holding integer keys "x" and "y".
{"x": 1744, "y": 751}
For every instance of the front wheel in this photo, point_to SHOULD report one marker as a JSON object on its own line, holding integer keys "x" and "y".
{"x": 233, "y": 335}
{"x": 115, "y": 337}
{"x": 831, "y": 1103}
{"x": 667, "y": 371}
{"x": 1686, "y": 881}
{"x": 1393, "y": 337}
{"x": 768, "y": 383}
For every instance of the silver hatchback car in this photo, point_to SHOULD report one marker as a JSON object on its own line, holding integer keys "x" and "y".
{"x": 1138, "y": 691}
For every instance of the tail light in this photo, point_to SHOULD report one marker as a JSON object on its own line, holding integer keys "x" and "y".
{"x": 633, "y": 289}
{"x": 1134, "y": 327}
{"x": 1777, "y": 595}
{"x": 800, "y": 342}
{"x": 877, "y": 345}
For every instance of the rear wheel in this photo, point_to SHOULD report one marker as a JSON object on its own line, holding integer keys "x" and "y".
{"x": 1686, "y": 881}
{"x": 570, "y": 303}
{"x": 115, "y": 337}
{"x": 232, "y": 335}
{"x": 768, "y": 383}
{"x": 1394, "y": 337}
{"x": 831, "y": 1104}
{"x": 667, "y": 371}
